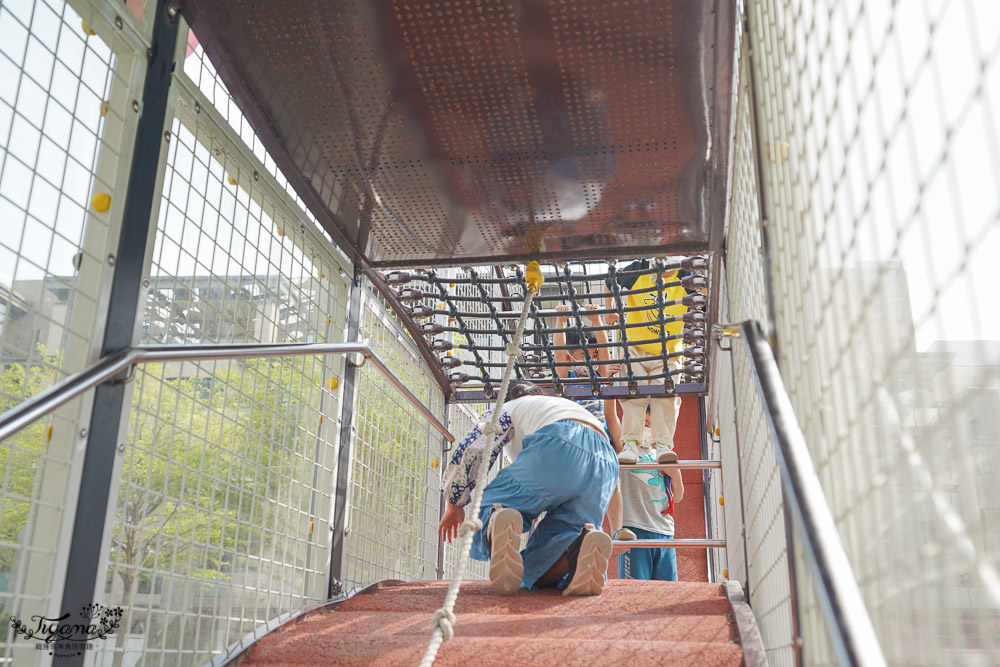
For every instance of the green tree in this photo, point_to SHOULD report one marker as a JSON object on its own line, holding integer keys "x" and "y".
{"x": 203, "y": 453}
{"x": 21, "y": 456}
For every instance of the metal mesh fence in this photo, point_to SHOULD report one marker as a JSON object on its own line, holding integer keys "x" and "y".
{"x": 462, "y": 419}
{"x": 758, "y": 551}
{"x": 393, "y": 501}
{"x": 225, "y": 493}
{"x": 757, "y": 554}
{"x": 202, "y": 73}
{"x": 879, "y": 152}
{"x": 68, "y": 75}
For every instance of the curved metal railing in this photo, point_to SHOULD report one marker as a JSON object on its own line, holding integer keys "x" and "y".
{"x": 847, "y": 620}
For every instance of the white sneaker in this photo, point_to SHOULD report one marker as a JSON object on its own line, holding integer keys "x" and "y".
{"x": 506, "y": 565}
{"x": 625, "y": 535}
{"x": 629, "y": 452}
{"x": 665, "y": 454}
{"x": 587, "y": 558}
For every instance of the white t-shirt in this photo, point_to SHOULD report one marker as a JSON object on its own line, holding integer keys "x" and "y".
{"x": 531, "y": 413}
{"x": 518, "y": 418}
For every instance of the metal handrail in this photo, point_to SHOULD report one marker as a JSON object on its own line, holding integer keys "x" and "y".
{"x": 694, "y": 543}
{"x": 692, "y": 464}
{"x": 62, "y": 392}
{"x": 847, "y": 620}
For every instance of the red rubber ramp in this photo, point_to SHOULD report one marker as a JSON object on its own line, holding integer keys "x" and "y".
{"x": 640, "y": 622}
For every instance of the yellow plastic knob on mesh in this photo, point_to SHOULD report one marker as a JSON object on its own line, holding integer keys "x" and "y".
{"x": 334, "y": 383}
{"x": 104, "y": 107}
{"x": 725, "y": 573}
{"x": 434, "y": 463}
{"x": 230, "y": 179}
{"x": 86, "y": 28}
{"x": 533, "y": 276}
{"x": 100, "y": 202}
{"x": 722, "y": 501}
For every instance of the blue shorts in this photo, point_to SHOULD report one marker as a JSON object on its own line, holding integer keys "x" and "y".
{"x": 566, "y": 470}
{"x": 655, "y": 564}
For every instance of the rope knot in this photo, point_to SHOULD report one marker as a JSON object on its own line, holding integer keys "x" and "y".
{"x": 512, "y": 349}
{"x": 444, "y": 620}
{"x": 491, "y": 429}
{"x": 470, "y": 527}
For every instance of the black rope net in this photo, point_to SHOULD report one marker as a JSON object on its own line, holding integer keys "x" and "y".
{"x": 592, "y": 332}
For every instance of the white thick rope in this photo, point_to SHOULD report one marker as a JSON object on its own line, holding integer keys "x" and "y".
{"x": 443, "y": 622}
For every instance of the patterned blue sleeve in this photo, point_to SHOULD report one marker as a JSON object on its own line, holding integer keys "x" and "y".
{"x": 460, "y": 476}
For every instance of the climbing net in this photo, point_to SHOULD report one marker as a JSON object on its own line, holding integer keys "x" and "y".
{"x": 469, "y": 315}
{"x": 443, "y": 622}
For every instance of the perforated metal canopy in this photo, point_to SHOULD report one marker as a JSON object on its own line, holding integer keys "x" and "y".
{"x": 461, "y": 131}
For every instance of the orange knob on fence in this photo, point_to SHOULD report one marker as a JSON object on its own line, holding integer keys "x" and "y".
{"x": 722, "y": 501}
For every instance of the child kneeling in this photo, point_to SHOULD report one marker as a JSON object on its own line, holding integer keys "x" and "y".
{"x": 565, "y": 467}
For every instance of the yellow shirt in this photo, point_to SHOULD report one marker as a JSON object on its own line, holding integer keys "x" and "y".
{"x": 647, "y": 297}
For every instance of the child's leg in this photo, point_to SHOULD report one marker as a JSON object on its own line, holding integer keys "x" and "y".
{"x": 634, "y": 409}
{"x": 663, "y": 416}
{"x": 557, "y": 464}
{"x": 663, "y": 420}
{"x": 544, "y": 556}
{"x": 616, "y": 510}
{"x": 505, "y": 491}
{"x": 633, "y": 418}
{"x": 664, "y": 563}
{"x": 636, "y": 563}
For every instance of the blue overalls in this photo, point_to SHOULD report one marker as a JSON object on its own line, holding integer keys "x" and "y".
{"x": 566, "y": 470}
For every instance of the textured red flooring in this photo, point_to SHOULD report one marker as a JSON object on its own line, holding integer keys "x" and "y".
{"x": 633, "y": 622}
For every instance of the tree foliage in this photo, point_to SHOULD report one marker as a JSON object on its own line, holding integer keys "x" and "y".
{"x": 21, "y": 456}
{"x": 206, "y": 474}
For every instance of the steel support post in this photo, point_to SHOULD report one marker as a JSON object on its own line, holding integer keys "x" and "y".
{"x": 346, "y": 444}
{"x": 83, "y": 573}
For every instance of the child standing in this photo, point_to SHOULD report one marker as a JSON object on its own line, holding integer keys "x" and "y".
{"x": 646, "y": 357}
{"x": 649, "y": 497}
{"x": 565, "y": 467}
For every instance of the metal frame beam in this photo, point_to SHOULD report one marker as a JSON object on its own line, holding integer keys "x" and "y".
{"x": 338, "y": 535}
{"x": 83, "y": 566}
